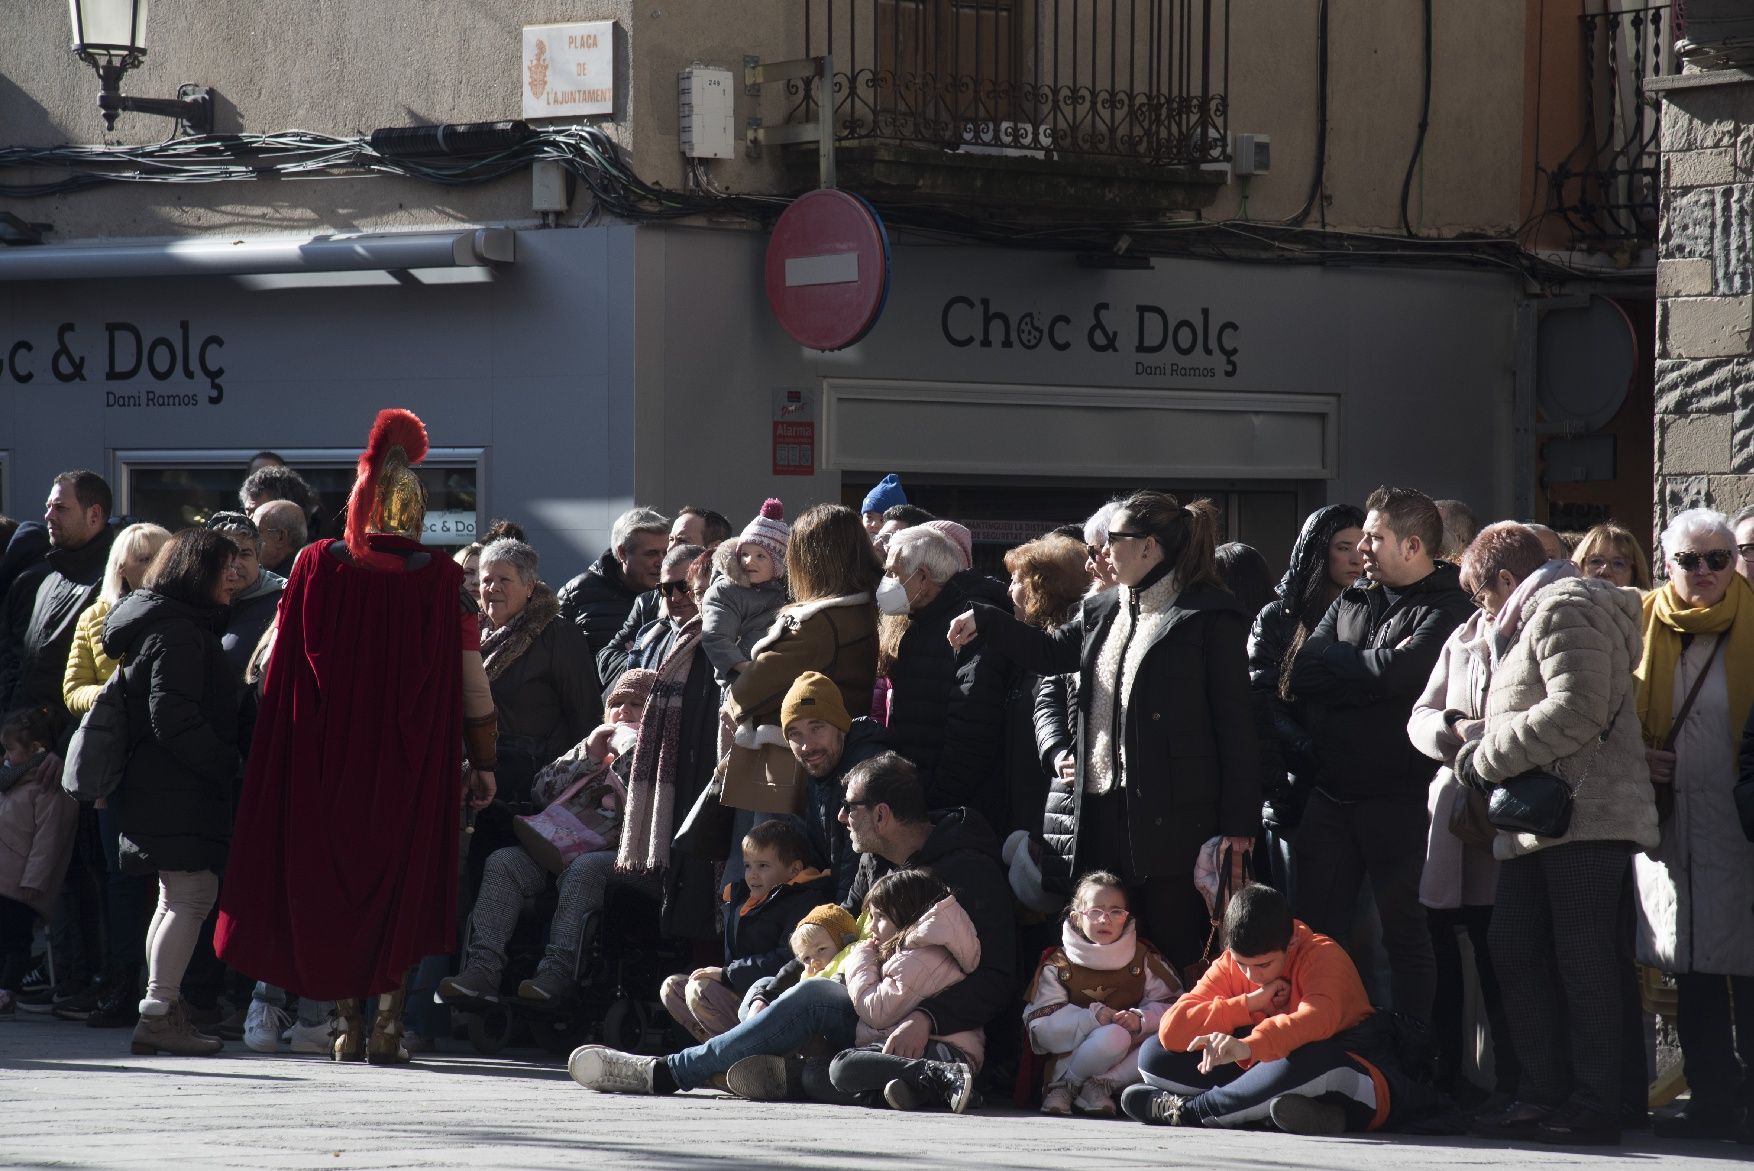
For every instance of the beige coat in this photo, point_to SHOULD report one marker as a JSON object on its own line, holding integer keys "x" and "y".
{"x": 936, "y": 952}
{"x": 1455, "y": 874}
{"x": 36, "y": 836}
{"x": 1566, "y": 679}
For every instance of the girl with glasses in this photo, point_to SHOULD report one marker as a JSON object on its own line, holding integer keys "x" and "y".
{"x": 1094, "y": 999}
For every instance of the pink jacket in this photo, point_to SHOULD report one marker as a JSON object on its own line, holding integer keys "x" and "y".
{"x": 36, "y": 836}
{"x": 936, "y": 952}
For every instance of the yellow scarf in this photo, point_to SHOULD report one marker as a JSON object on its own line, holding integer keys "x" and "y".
{"x": 1665, "y": 620}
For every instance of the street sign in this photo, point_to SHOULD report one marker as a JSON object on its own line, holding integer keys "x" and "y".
{"x": 828, "y": 269}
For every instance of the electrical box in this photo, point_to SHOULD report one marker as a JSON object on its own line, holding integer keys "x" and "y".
{"x": 1250, "y": 154}
{"x": 706, "y": 112}
{"x": 547, "y": 186}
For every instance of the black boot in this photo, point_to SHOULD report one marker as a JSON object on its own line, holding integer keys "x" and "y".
{"x": 120, "y": 1006}
{"x": 950, "y": 1082}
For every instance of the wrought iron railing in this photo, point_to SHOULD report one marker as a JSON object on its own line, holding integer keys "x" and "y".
{"x": 1610, "y": 186}
{"x": 1144, "y": 80}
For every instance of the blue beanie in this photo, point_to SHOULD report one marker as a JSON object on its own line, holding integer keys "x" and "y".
{"x": 887, "y": 494}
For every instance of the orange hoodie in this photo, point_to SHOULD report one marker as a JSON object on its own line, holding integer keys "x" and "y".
{"x": 1327, "y": 997}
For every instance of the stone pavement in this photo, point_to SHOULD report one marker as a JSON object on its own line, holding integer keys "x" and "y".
{"x": 72, "y": 1097}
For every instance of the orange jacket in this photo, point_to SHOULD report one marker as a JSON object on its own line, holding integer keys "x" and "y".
{"x": 1327, "y": 997}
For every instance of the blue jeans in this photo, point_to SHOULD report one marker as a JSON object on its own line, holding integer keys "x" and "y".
{"x": 813, "y": 1008}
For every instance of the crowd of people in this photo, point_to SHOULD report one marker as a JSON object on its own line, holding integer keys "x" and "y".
{"x": 1135, "y": 832}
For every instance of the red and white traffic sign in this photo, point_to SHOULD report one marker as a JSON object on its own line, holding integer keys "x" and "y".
{"x": 828, "y": 269}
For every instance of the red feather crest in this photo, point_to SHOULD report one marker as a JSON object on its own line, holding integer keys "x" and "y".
{"x": 394, "y": 427}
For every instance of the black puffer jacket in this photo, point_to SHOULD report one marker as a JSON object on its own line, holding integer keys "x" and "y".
{"x": 758, "y": 942}
{"x": 597, "y": 601}
{"x": 174, "y": 805}
{"x": 1361, "y": 671}
{"x": 947, "y": 707}
{"x": 614, "y": 657}
{"x": 1193, "y": 766}
{"x": 69, "y": 585}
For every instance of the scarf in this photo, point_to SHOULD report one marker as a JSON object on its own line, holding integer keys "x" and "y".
{"x": 504, "y": 645}
{"x": 1099, "y": 957}
{"x": 1117, "y": 665}
{"x": 651, "y": 782}
{"x": 1665, "y": 621}
{"x": 1503, "y": 629}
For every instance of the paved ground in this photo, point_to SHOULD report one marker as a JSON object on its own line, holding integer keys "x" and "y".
{"x": 73, "y": 1097}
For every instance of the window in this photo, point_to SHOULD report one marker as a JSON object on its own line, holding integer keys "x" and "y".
{"x": 178, "y": 489}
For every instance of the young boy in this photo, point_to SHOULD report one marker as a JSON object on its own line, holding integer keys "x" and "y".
{"x": 760, "y": 912}
{"x": 1270, "y": 1033}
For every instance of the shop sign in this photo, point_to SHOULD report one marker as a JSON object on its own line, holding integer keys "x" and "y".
{"x": 1162, "y": 342}
{"x": 449, "y": 527}
{"x": 569, "y": 69}
{"x": 174, "y": 369}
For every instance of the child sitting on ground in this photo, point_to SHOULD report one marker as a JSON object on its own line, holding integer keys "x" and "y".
{"x": 37, "y": 821}
{"x": 1277, "y": 1029}
{"x": 1095, "y": 999}
{"x": 822, "y": 940}
{"x": 921, "y": 943}
{"x": 739, "y": 606}
{"x": 776, "y": 892}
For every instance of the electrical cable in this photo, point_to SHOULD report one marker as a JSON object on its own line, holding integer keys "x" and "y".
{"x": 1319, "y": 173}
{"x": 1418, "y": 139}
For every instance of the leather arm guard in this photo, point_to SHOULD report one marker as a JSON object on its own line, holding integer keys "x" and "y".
{"x": 481, "y": 740}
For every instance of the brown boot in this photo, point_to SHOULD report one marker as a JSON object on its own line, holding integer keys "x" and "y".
{"x": 171, "y": 1032}
{"x": 350, "y": 1037}
{"x": 385, "y": 1046}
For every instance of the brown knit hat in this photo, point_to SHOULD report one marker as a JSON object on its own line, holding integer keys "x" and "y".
{"x": 814, "y": 696}
{"x": 834, "y": 919}
{"x": 634, "y": 686}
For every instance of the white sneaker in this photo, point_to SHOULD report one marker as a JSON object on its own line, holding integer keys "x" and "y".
{"x": 1057, "y": 1099}
{"x": 263, "y": 1026}
{"x": 317, "y": 1038}
{"x": 610, "y": 1071}
{"x": 1095, "y": 1098}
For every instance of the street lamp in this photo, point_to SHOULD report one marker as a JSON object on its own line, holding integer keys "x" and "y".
{"x": 110, "y": 36}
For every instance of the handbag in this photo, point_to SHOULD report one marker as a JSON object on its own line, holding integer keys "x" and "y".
{"x": 765, "y": 779}
{"x": 1534, "y": 802}
{"x": 1220, "y": 902}
{"x": 1665, "y": 794}
{"x": 1470, "y": 820}
{"x": 557, "y": 835}
{"x": 705, "y": 832}
{"x": 98, "y": 754}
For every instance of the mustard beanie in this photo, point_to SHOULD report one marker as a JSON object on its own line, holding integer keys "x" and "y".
{"x": 835, "y": 919}
{"x": 814, "y": 696}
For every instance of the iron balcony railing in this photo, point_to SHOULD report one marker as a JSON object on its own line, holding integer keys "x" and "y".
{"x": 1141, "y": 80}
{"x": 1609, "y": 188}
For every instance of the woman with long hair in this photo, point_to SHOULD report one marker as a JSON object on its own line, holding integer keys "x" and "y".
{"x": 1166, "y": 753}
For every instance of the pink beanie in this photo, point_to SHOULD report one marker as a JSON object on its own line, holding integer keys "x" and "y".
{"x": 770, "y": 530}
{"x": 959, "y": 536}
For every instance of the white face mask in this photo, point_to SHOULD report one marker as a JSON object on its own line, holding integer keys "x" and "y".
{"x": 892, "y": 596}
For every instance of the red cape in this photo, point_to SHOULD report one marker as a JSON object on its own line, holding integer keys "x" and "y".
{"x": 343, "y": 866}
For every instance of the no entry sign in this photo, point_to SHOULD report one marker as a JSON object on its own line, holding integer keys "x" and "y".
{"x": 828, "y": 269}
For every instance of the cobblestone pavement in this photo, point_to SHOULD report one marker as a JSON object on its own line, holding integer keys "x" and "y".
{"x": 73, "y": 1097}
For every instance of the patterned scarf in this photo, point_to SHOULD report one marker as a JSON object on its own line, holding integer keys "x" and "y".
{"x": 651, "y": 782}
{"x": 505, "y": 645}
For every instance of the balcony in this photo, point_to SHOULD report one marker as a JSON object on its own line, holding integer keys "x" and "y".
{"x": 1608, "y": 189}
{"x": 1083, "y": 104}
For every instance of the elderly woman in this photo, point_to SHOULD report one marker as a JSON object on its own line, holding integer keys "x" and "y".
{"x": 1561, "y": 701}
{"x": 1695, "y": 688}
{"x": 1166, "y": 731}
{"x": 544, "y": 680}
{"x": 601, "y": 762}
{"x": 1613, "y": 554}
{"x": 947, "y": 705}
{"x": 258, "y": 590}
{"x": 1097, "y": 563}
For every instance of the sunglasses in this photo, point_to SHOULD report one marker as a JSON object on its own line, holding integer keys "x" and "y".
{"x": 1747, "y": 552}
{"x": 1119, "y": 536}
{"x": 671, "y": 588}
{"x": 1717, "y": 560}
{"x": 848, "y": 804}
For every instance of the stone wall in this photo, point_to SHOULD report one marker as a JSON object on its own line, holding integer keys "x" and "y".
{"x": 1705, "y": 295}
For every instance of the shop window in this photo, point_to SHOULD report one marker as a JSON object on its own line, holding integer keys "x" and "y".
{"x": 178, "y": 489}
